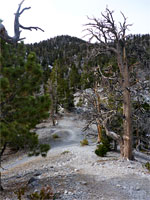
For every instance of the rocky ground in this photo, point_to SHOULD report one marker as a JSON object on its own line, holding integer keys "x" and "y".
{"x": 73, "y": 172}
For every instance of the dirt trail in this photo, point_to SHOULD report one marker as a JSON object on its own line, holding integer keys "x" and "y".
{"x": 68, "y": 129}
{"x": 75, "y": 172}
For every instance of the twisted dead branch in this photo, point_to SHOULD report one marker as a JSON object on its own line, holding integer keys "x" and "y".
{"x": 17, "y": 27}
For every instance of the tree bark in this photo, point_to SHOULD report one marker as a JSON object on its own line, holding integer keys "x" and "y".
{"x": 1, "y": 188}
{"x": 99, "y": 130}
{"x": 97, "y": 107}
{"x": 127, "y": 116}
{"x": 1, "y": 153}
{"x": 127, "y": 137}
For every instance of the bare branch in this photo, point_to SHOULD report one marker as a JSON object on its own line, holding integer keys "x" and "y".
{"x": 106, "y": 77}
{"x": 17, "y": 26}
{"x": 105, "y": 31}
{"x": 111, "y": 134}
{"x": 31, "y": 27}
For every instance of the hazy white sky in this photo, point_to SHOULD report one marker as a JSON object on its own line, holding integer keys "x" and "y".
{"x": 66, "y": 17}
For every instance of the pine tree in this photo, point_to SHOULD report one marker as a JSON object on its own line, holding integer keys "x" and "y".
{"x": 63, "y": 93}
{"x": 74, "y": 78}
{"x": 21, "y": 105}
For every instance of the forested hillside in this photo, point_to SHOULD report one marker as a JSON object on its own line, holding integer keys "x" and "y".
{"x": 73, "y": 51}
{"x": 60, "y": 47}
{"x": 75, "y": 57}
{"x": 67, "y": 46}
{"x": 70, "y": 63}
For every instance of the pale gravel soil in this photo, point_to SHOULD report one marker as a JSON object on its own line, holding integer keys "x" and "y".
{"x": 75, "y": 172}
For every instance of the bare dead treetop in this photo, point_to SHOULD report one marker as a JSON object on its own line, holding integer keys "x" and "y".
{"x": 105, "y": 30}
{"x": 17, "y": 27}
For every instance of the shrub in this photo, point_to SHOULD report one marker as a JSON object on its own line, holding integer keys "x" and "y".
{"x": 65, "y": 152}
{"x": 84, "y": 142}
{"x": 20, "y": 192}
{"x": 55, "y": 136}
{"x": 44, "y": 194}
{"x": 106, "y": 143}
{"x": 147, "y": 165}
{"x": 101, "y": 150}
{"x": 79, "y": 104}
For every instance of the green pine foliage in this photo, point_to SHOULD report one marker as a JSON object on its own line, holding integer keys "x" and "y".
{"x": 87, "y": 77}
{"x": 74, "y": 78}
{"x": 22, "y": 106}
{"x": 101, "y": 150}
{"x": 147, "y": 165}
{"x": 84, "y": 142}
{"x": 61, "y": 84}
{"x": 105, "y": 145}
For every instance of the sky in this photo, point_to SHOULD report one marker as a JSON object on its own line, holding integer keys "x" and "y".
{"x": 68, "y": 17}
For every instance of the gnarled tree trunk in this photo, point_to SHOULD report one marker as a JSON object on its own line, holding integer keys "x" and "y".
{"x": 127, "y": 137}
{"x": 99, "y": 130}
{"x": 126, "y": 143}
{"x": 113, "y": 38}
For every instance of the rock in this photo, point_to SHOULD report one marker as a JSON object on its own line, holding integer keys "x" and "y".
{"x": 34, "y": 182}
{"x": 83, "y": 182}
{"x": 18, "y": 176}
{"x": 118, "y": 185}
{"x": 37, "y": 173}
{"x": 137, "y": 188}
{"x": 76, "y": 170}
{"x": 65, "y": 192}
{"x": 70, "y": 193}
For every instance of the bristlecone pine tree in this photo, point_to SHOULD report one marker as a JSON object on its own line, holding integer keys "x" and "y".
{"x": 112, "y": 38}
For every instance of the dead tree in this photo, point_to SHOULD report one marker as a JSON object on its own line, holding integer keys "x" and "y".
{"x": 92, "y": 100}
{"x": 98, "y": 113}
{"x": 17, "y": 27}
{"x": 52, "y": 91}
{"x": 97, "y": 105}
{"x": 112, "y": 38}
